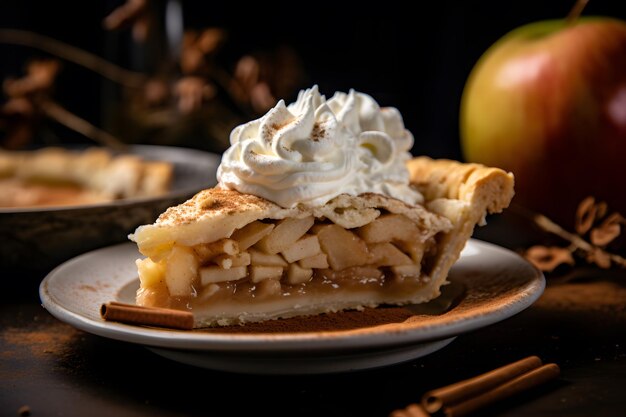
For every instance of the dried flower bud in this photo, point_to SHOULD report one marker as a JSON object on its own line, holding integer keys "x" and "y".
{"x": 191, "y": 61}
{"x": 601, "y": 209}
{"x": 132, "y": 13}
{"x": 197, "y": 47}
{"x": 607, "y": 231}
{"x": 548, "y": 258}
{"x": 247, "y": 72}
{"x": 585, "y": 215}
{"x": 18, "y": 107}
{"x": 600, "y": 258}
{"x": 210, "y": 40}
{"x": 40, "y": 76}
{"x": 156, "y": 92}
{"x": 192, "y": 92}
{"x": 261, "y": 98}
{"x": 140, "y": 30}
{"x": 17, "y": 121}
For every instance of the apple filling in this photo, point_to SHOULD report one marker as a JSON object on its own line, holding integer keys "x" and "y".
{"x": 282, "y": 263}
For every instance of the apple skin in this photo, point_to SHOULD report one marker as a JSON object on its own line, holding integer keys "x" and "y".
{"x": 548, "y": 103}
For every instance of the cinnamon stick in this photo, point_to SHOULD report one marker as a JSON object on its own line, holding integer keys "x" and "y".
{"x": 435, "y": 400}
{"x": 519, "y": 384}
{"x": 150, "y": 316}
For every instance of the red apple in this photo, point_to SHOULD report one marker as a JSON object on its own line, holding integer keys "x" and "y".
{"x": 548, "y": 102}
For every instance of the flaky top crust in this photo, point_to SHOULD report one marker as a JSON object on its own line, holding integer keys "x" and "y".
{"x": 488, "y": 190}
{"x": 216, "y": 213}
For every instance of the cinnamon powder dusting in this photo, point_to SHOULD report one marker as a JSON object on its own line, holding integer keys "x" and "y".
{"x": 215, "y": 200}
{"x": 318, "y": 132}
{"x": 45, "y": 340}
{"x": 603, "y": 298}
{"x": 271, "y": 130}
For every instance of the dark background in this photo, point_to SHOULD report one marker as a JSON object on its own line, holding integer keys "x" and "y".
{"x": 415, "y": 61}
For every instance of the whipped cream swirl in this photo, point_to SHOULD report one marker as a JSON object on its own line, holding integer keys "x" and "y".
{"x": 316, "y": 149}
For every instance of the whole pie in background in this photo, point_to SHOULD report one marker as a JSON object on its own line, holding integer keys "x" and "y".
{"x": 55, "y": 176}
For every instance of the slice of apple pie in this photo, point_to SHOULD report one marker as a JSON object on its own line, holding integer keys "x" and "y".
{"x": 316, "y": 212}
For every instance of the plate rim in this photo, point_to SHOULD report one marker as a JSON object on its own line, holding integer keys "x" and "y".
{"x": 374, "y": 338}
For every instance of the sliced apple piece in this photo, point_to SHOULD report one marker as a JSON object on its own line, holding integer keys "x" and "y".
{"x": 150, "y": 273}
{"x": 212, "y": 274}
{"x": 229, "y": 261}
{"x": 403, "y": 271}
{"x": 208, "y": 291}
{"x": 159, "y": 252}
{"x": 261, "y": 273}
{"x": 265, "y": 259}
{"x": 389, "y": 228}
{"x": 286, "y": 232}
{"x": 207, "y": 251}
{"x": 319, "y": 261}
{"x": 298, "y": 275}
{"x": 306, "y": 246}
{"x": 414, "y": 249}
{"x": 386, "y": 254}
{"x": 181, "y": 269}
{"x": 251, "y": 234}
{"x": 223, "y": 261}
{"x": 343, "y": 248}
{"x": 268, "y": 288}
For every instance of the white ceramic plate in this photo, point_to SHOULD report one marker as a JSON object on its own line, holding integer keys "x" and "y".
{"x": 488, "y": 284}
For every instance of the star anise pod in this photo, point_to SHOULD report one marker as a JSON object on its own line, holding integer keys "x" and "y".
{"x": 133, "y": 13}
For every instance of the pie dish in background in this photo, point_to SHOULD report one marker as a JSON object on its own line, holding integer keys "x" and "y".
{"x": 55, "y": 176}
{"x": 36, "y": 239}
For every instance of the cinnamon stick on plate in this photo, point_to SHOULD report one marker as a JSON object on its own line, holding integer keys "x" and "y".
{"x": 149, "y": 316}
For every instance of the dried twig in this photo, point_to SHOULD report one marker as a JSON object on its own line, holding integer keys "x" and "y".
{"x": 73, "y": 54}
{"x": 70, "y": 120}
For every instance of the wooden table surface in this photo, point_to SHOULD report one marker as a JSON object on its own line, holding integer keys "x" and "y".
{"x": 56, "y": 370}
